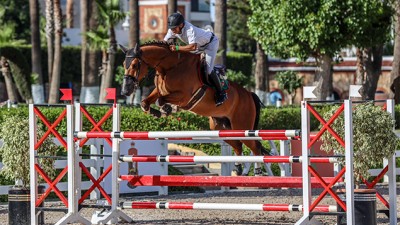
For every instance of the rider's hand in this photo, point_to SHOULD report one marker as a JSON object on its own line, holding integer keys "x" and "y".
{"x": 172, "y": 48}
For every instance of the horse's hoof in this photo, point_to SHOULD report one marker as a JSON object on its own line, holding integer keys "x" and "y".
{"x": 155, "y": 113}
{"x": 245, "y": 174}
{"x": 238, "y": 170}
{"x": 265, "y": 152}
{"x": 166, "y": 109}
{"x": 258, "y": 172}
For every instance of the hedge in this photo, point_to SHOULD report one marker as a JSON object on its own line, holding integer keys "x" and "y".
{"x": 133, "y": 118}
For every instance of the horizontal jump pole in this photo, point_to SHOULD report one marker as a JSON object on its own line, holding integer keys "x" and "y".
{"x": 224, "y": 159}
{"x": 224, "y": 181}
{"x": 224, "y": 206}
{"x": 196, "y": 135}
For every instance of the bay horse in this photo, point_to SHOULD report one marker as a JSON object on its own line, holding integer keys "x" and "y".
{"x": 178, "y": 82}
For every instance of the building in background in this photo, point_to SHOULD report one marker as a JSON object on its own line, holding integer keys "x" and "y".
{"x": 153, "y": 16}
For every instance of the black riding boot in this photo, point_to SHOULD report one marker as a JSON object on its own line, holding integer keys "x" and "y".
{"x": 220, "y": 96}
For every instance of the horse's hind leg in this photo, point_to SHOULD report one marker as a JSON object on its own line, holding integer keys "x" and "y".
{"x": 223, "y": 124}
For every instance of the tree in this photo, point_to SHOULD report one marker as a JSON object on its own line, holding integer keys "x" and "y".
{"x": 69, "y": 23}
{"x": 134, "y": 28}
{"x": 370, "y": 45}
{"x": 89, "y": 56}
{"x": 239, "y": 39}
{"x": 36, "y": 51}
{"x": 56, "y": 73}
{"x": 395, "y": 74}
{"x": 17, "y": 12}
{"x": 172, "y": 6}
{"x": 49, "y": 11}
{"x": 220, "y": 30}
{"x": 261, "y": 73}
{"x": 312, "y": 28}
{"x": 6, "y": 72}
{"x": 290, "y": 82}
{"x": 110, "y": 15}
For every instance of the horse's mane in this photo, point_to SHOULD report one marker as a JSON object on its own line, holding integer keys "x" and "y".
{"x": 156, "y": 43}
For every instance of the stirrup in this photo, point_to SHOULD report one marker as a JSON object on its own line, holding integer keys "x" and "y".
{"x": 220, "y": 99}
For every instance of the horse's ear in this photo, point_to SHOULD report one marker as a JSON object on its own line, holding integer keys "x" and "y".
{"x": 137, "y": 51}
{"x": 124, "y": 50}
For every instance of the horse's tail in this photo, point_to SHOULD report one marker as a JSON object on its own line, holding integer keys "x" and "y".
{"x": 257, "y": 103}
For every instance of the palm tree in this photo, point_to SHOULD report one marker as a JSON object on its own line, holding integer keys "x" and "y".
{"x": 6, "y": 72}
{"x": 49, "y": 36}
{"x": 134, "y": 28}
{"x": 36, "y": 50}
{"x": 172, "y": 6}
{"x": 90, "y": 81}
{"x": 110, "y": 15}
{"x": 56, "y": 74}
{"x": 69, "y": 23}
{"x": 220, "y": 29}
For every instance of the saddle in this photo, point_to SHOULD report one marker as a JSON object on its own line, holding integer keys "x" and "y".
{"x": 199, "y": 94}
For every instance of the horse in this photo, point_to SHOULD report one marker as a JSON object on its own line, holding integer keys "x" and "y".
{"x": 178, "y": 82}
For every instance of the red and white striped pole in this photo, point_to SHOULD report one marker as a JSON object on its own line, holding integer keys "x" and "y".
{"x": 224, "y": 206}
{"x": 197, "y": 135}
{"x": 223, "y": 159}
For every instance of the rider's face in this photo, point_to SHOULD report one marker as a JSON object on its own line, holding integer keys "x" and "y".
{"x": 177, "y": 29}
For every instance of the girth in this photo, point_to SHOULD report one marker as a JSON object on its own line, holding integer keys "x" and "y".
{"x": 196, "y": 98}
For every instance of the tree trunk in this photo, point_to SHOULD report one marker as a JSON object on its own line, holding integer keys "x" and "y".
{"x": 109, "y": 73}
{"x": 55, "y": 81}
{"x": 261, "y": 74}
{"x": 220, "y": 30}
{"x": 172, "y": 6}
{"x": 134, "y": 28}
{"x": 50, "y": 37}
{"x": 323, "y": 77}
{"x": 6, "y": 71}
{"x": 91, "y": 90}
{"x": 394, "y": 78}
{"x": 373, "y": 67}
{"x": 36, "y": 51}
{"x": 70, "y": 14}
{"x": 84, "y": 29}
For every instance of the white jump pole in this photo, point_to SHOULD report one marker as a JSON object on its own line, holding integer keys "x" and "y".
{"x": 305, "y": 139}
{"x": 73, "y": 182}
{"x": 33, "y": 161}
{"x": 115, "y": 213}
{"x": 391, "y": 174}
{"x": 349, "y": 174}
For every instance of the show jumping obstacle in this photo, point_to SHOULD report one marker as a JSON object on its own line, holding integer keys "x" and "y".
{"x": 306, "y": 182}
{"x": 221, "y": 159}
{"x": 224, "y": 206}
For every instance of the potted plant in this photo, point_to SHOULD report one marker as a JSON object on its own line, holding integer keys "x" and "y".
{"x": 14, "y": 132}
{"x": 373, "y": 140}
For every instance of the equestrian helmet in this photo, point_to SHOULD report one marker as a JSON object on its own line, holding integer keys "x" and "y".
{"x": 174, "y": 20}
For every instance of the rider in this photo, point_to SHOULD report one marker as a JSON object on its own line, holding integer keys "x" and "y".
{"x": 197, "y": 40}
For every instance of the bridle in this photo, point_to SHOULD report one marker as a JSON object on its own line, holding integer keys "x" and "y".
{"x": 137, "y": 55}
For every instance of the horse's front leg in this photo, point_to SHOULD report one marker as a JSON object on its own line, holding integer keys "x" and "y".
{"x": 166, "y": 108}
{"x": 145, "y": 104}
